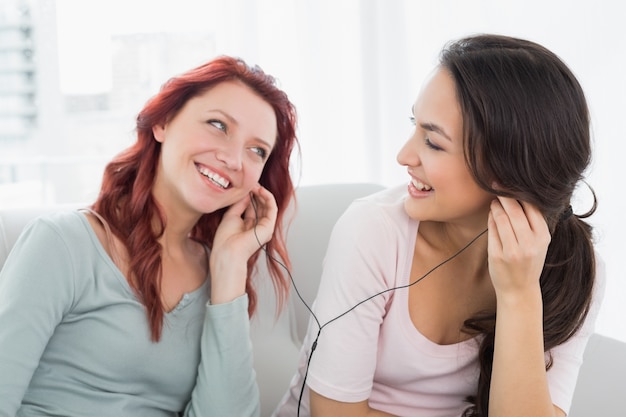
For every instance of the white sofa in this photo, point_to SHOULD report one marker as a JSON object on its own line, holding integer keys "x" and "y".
{"x": 277, "y": 338}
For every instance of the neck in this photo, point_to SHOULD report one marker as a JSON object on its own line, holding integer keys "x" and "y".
{"x": 468, "y": 245}
{"x": 175, "y": 235}
{"x": 451, "y": 238}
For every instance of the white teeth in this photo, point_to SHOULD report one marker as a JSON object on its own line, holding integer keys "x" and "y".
{"x": 420, "y": 185}
{"x": 221, "y": 181}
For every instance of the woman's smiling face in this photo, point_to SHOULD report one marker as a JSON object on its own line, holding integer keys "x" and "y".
{"x": 214, "y": 149}
{"x": 441, "y": 186}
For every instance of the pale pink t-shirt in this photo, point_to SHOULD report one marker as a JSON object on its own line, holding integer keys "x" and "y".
{"x": 374, "y": 351}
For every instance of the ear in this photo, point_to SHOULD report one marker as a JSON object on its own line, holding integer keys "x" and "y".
{"x": 159, "y": 133}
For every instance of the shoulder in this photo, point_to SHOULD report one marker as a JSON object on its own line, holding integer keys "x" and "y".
{"x": 47, "y": 254}
{"x": 63, "y": 232}
{"x": 599, "y": 288}
{"x": 380, "y": 214}
{"x": 374, "y": 235}
{"x": 67, "y": 224}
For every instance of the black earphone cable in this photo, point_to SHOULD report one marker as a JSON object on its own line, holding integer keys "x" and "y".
{"x": 321, "y": 326}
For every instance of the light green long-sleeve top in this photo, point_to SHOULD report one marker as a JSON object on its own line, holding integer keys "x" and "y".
{"x": 75, "y": 342}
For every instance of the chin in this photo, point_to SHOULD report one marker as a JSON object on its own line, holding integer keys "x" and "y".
{"x": 418, "y": 215}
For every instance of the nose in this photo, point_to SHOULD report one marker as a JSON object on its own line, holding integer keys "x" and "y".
{"x": 231, "y": 155}
{"x": 408, "y": 154}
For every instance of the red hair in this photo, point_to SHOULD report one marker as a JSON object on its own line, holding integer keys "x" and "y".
{"x": 126, "y": 200}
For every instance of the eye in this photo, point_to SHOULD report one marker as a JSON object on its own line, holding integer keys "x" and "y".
{"x": 432, "y": 145}
{"x": 261, "y": 152}
{"x": 218, "y": 124}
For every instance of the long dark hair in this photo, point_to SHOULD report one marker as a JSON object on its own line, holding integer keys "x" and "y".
{"x": 126, "y": 200}
{"x": 526, "y": 127}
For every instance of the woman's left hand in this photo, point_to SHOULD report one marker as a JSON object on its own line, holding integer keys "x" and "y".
{"x": 246, "y": 226}
{"x": 518, "y": 243}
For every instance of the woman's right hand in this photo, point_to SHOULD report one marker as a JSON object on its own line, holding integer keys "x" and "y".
{"x": 518, "y": 244}
{"x": 246, "y": 226}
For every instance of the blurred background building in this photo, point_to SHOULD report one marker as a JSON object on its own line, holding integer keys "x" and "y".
{"x": 54, "y": 143}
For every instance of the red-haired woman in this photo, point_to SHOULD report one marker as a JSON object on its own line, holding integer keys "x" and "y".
{"x": 139, "y": 305}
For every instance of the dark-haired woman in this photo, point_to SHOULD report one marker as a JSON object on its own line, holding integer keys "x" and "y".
{"x": 139, "y": 305}
{"x": 476, "y": 288}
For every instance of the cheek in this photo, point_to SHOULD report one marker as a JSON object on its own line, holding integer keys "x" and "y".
{"x": 253, "y": 173}
{"x": 453, "y": 174}
{"x": 444, "y": 174}
{"x": 458, "y": 182}
{"x": 476, "y": 197}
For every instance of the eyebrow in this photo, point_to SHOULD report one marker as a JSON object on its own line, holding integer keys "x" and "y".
{"x": 431, "y": 127}
{"x": 226, "y": 115}
{"x": 234, "y": 121}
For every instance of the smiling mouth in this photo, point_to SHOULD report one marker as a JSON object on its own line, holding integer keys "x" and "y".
{"x": 214, "y": 178}
{"x": 420, "y": 185}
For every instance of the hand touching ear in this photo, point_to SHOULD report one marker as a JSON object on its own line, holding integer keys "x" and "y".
{"x": 246, "y": 226}
{"x": 518, "y": 243}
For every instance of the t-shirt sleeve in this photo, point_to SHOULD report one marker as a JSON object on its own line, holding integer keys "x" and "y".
{"x": 226, "y": 383}
{"x": 36, "y": 290}
{"x": 568, "y": 357}
{"x": 359, "y": 269}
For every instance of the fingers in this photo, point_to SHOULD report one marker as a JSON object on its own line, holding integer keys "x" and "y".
{"x": 259, "y": 213}
{"x": 501, "y": 219}
{"x": 517, "y": 245}
{"x": 258, "y": 203}
{"x": 238, "y": 208}
{"x": 518, "y": 232}
{"x": 494, "y": 243}
{"x": 535, "y": 218}
{"x": 517, "y": 221}
{"x": 263, "y": 205}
